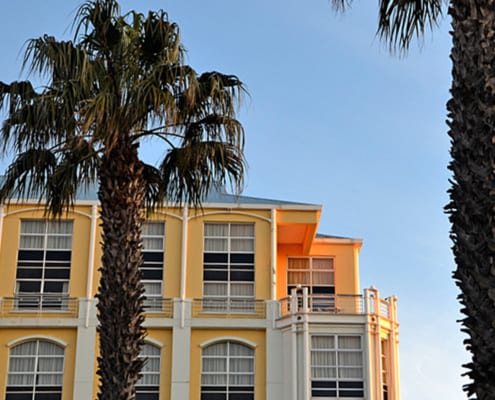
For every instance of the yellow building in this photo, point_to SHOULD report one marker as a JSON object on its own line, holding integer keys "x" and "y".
{"x": 245, "y": 300}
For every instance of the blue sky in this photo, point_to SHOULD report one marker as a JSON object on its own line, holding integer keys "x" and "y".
{"x": 333, "y": 119}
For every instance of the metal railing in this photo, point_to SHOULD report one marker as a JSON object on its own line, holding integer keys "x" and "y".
{"x": 212, "y": 307}
{"x": 39, "y": 304}
{"x": 156, "y": 307}
{"x": 330, "y": 304}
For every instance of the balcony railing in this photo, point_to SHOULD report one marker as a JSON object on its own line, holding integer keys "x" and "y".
{"x": 39, "y": 304}
{"x": 156, "y": 307}
{"x": 228, "y": 307}
{"x": 331, "y": 304}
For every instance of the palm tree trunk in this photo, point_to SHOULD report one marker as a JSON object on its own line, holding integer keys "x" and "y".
{"x": 472, "y": 196}
{"x": 120, "y": 302}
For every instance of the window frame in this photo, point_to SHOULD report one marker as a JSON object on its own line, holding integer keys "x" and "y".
{"x": 43, "y": 261}
{"x": 322, "y": 387}
{"x": 34, "y": 389}
{"x": 232, "y": 265}
{"x": 150, "y": 392}
{"x": 153, "y": 302}
{"x": 228, "y": 388}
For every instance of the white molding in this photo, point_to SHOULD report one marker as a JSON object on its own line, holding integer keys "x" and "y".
{"x": 154, "y": 342}
{"x": 229, "y": 211}
{"x": 221, "y": 339}
{"x": 40, "y": 208}
{"x": 31, "y": 338}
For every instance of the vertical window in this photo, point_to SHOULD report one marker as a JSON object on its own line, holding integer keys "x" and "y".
{"x": 153, "y": 234}
{"x": 317, "y": 274}
{"x": 148, "y": 387}
{"x": 36, "y": 371}
{"x": 227, "y": 372}
{"x": 228, "y": 267}
{"x": 384, "y": 356}
{"x": 43, "y": 264}
{"x": 337, "y": 366}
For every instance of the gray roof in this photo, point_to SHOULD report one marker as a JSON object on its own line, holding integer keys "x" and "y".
{"x": 216, "y": 196}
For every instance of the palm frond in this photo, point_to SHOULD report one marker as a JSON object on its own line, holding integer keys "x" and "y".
{"x": 340, "y": 5}
{"x": 401, "y": 20}
{"x": 27, "y": 175}
{"x": 188, "y": 173}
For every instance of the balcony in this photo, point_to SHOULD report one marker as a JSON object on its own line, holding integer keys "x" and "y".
{"x": 345, "y": 304}
{"x": 156, "y": 307}
{"x": 342, "y": 304}
{"x": 228, "y": 308}
{"x": 37, "y": 304}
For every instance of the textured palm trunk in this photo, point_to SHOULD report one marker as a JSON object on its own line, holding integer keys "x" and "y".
{"x": 472, "y": 206}
{"x": 120, "y": 304}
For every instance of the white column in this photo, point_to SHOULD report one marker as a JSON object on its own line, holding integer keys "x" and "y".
{"x": 84, "y": 374}
{"x": 183, "y": 264}
{"x": 274, "y": 253}
{"x": 306, "y": 386}
{"x": 181, "y": 349}
{"x": 91, "y": 259}
{"x": 2, "y": 215}
{"x": 274, "y": 355}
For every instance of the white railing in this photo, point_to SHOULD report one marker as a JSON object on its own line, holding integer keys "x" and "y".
{"x": 251, "y": 308}
{"x": 330, "y": 304}
{"x": 39, "y": 304}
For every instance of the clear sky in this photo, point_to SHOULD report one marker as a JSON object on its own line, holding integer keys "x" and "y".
{"x": 332, "y": 119}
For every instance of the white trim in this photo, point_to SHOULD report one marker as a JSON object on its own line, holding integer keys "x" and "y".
{"x": 273, "y": 266}
{"x": 229, "y": 212}
{"x": 154, "y": 342}
{"x": 221, "y": 339}
{"x": 231, "y": 205}
{"x": 91, "y": 258}
{"x": 183, "y": 264}
{"x": 166, "y": 213}
{"x": 338, "y": 240}
{"x": 31, "y": 338}
{"x": 43, "y": 209}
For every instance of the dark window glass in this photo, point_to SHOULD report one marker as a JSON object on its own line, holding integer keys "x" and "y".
{"x": 29, "y": 273}
{"x": 215, "y": 275}
{"x": 215, "y": 257}
{"x": 242, "y": 258}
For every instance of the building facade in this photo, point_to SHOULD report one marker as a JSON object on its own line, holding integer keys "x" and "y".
{"x": 244, "y": 301}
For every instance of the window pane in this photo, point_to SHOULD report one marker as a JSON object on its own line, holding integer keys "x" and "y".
{"x": 29, "y": 226}
{"x": 216, "y": 230}
{"x": 32, "y": 242}
{"x": 322, "y": 263}
{"x": 153, "y": 229}
{"x": 246, "y": 245}
{"x": 215, "y": 289}
{"x": 60, "y": 227}
{"x": 242, "y": 230}
{"x": 349, "y": 342}
{"x": 216, "y": 244}
{"x": 298, "y": 263}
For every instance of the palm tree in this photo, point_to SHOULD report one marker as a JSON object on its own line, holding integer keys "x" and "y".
{"x": 120, "y": 81}
{"x": 471, "y": 119}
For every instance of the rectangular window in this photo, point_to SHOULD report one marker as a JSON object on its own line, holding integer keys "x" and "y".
{"x": 43, "y": 264}
{"x": 317, "y": 274}
{"x": 337, "y": 366}
{"x": 153, "y": 234}
{"x": 228, "y": 267}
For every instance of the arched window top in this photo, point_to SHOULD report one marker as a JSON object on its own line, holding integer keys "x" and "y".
{"x": 39, "y": 347}
{"x": 227, "y": 371}
{"x": 148, "y": 387}
{"x": 27, "y": 339}
{"x": 36, "y": 368}
{"x": 232, "y": 339}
